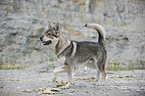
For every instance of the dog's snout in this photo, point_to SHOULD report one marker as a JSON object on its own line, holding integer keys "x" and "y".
{"x": 41, "y": 38}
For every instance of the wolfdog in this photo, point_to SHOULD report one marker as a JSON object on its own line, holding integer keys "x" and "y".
{"x": 74, "y": 53}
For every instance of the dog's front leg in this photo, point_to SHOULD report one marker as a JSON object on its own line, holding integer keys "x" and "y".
{"x": 54, "y": 76}
{"x": 69, "y": 74}
{"x": 61, "y": 69}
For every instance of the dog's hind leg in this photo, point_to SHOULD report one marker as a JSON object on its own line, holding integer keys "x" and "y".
{"x": 103, "y": 74}
{"x": 61, "y": 69}
{"x": 97, "y": 75}
{"x": 100, "y": 65}
{"x": 69, "y": 74}
{"x": 100, "y": 71}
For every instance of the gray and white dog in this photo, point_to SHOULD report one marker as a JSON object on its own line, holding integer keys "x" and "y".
{"x": 74, "y": 53}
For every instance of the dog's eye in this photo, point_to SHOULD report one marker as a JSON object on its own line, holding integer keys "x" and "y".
{"x": 49, "y": 33}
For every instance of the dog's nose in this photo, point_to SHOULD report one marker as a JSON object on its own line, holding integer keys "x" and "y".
{"x": 41, "y": 38}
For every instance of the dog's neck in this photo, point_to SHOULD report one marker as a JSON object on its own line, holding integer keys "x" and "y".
{"x": 61, "y": 45}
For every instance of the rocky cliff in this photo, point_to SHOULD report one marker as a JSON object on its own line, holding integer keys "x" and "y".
{"x": 23, "y": 21}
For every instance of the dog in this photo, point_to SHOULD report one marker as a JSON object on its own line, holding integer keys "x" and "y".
{"x": 73, "y": 53}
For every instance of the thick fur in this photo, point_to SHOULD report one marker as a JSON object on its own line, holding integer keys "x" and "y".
{"x": 74, "y": 53}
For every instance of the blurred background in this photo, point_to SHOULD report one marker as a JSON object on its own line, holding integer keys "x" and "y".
{"x": 23, "y": 21}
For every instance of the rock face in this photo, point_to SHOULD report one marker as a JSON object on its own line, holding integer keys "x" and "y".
{"x": 23, "y": 21}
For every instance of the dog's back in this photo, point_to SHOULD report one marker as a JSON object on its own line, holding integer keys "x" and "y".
{"x": 87, "y": 50}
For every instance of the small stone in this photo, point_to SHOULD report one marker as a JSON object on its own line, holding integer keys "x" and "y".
{"x": 59, "y": 85}
{"x": 48, "y": 91}
{"x": 55, "y": 89}
{"x": 28, "y": 90}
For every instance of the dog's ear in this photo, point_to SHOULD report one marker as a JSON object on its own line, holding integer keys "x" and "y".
{"x": 57, "y": 26}
{"x": 49, "y": 25}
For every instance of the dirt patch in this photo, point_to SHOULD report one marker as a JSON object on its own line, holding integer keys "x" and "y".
{"x": 32, "y": 82}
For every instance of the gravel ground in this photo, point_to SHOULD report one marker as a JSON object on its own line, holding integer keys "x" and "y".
{"x": 35, "y": 81}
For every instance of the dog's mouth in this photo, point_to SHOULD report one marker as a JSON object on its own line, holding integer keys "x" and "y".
{"x": 46, "y": 42}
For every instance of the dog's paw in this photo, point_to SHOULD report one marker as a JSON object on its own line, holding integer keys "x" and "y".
{"x": 53, "y": 79}
{"x": 67, "y": 86}
{"x": 101, "y": 84}
{"x": 96, "y": 80}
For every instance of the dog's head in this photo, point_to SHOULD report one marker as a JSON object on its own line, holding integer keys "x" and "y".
{"x": 51, "y": 35}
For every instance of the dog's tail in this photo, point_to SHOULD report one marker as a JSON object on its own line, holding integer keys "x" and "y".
{"x": 99, "y": 29}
